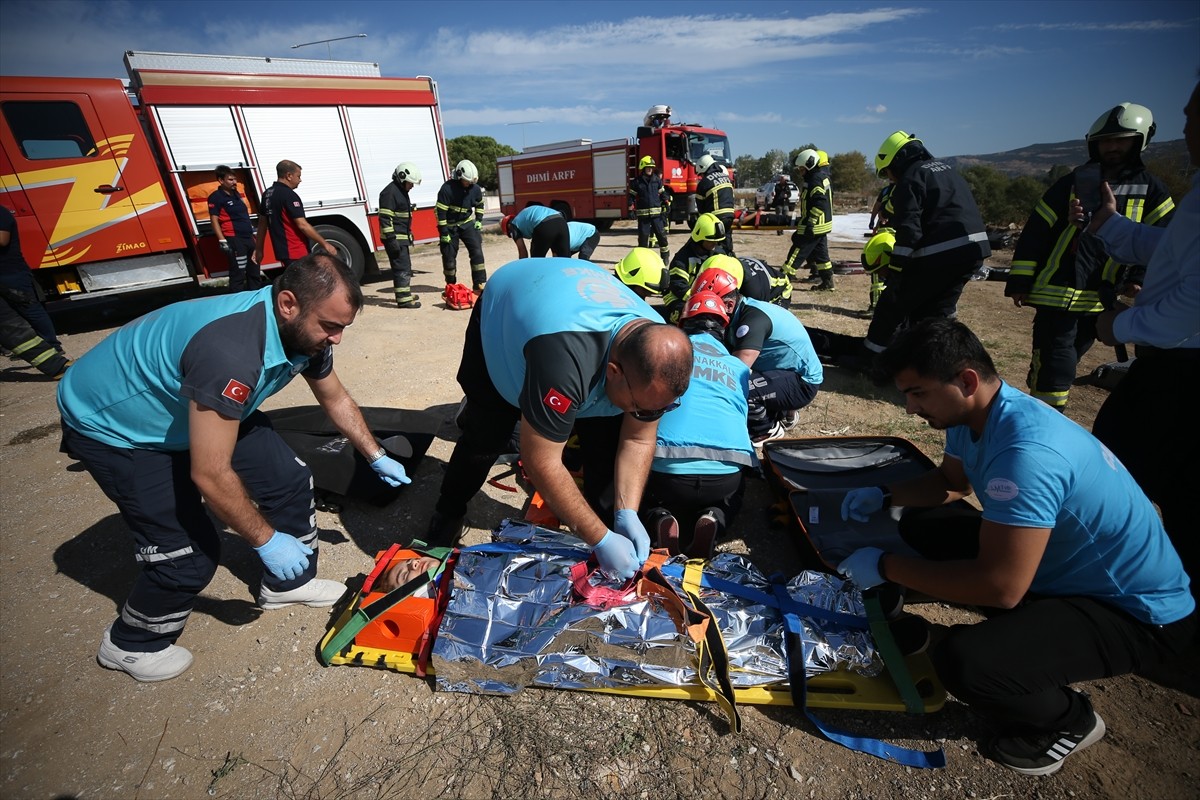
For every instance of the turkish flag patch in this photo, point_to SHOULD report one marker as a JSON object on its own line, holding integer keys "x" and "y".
{"x": 557, "y": 401}
{"x": 236, "y": 391}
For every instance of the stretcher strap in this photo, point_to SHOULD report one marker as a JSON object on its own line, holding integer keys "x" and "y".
{"x": 897, "y": 667}
{"x": 361, "y": 615}
{"x": 798, "y": 680}
{"x": 712, "y": 667}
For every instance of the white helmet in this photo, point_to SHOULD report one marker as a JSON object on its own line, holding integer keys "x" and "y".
{"x": 466, "y": 171}
{"x": 1127, "y": 119}
{"x": 704, "y": 163}
{"x": 656, "y": 113}
{"x": 807, "y": 159}
{"x": 407, "y": 171}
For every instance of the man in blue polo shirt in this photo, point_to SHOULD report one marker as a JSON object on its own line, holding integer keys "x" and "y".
{"x": 545, "y": 228}
{"x": 163, "y": 414}
{"x": 231, "y": 225}
{"x": 1066, "y": 541}
{"x": 561, "y": 345}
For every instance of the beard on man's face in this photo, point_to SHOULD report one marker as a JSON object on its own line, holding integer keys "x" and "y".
{"x": 296, "y": 342}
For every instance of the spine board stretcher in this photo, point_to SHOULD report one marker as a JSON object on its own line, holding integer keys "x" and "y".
{"x": 401, "y": 638}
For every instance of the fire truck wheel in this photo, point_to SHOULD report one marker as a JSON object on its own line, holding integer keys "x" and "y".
{"x": 347, "y": 248}
{"x": 562, "y": 208}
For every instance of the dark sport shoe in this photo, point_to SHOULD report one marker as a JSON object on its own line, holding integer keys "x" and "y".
{"x": 666, "y": 530}
{"x": 704, "y": 535}
{"x": 444, "y": 531}
{"x": 1044, "y": 753}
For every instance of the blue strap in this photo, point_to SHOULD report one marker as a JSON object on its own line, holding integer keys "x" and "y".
{"x": 798, "y": 679}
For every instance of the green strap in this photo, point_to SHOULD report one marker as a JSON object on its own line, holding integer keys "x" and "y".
{"x": 362, "y": 615}
{"x": 892, "y": 658}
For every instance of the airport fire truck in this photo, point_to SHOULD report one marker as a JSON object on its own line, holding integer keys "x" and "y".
{"x": 589, "y": 181}
{"x": 108, "y": 181}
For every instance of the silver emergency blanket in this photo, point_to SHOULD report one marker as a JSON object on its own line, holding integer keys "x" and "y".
{"x": 512, "y": 621}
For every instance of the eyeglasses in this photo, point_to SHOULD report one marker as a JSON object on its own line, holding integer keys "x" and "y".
{"x": 640, "y": 414}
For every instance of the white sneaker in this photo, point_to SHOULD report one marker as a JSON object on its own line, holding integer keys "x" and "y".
{"x": 146, "y": 667}
{"x": 317, "y": 593}
{"x": 777, "y": 432}
{"x": 790, "y": 419}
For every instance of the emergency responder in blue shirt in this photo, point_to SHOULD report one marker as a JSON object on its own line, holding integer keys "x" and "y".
{"x": 395, "y": 229}
{"x": 697, "y": 480}
{"x": 648, "y": 200}
{"x": 584, "y": 239}
{"x": 561, "y": 345}
{"x": 545, "y": 228}
{"x": 163, "y": 414}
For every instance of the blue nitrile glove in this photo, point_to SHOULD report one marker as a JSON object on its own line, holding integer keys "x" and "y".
{"x": 629, "y": 526}
{"x": 391, "y": 470}
{"x": 616, "y": 556}
{"x": 284, "y": 555}
{"x": 862, "y": 567}
{"x": 861, "y": 503}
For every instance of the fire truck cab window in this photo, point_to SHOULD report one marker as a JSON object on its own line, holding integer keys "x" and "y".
{"x": 49, "y": 130}
{"x": 674, "y": 147}
{"x": 708, "y": 144}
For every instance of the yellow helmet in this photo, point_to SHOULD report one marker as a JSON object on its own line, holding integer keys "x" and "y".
{"x": 727, "y": 264}
{"x": 708, "y": 228}
{"x": 824, "y": 160}
{"x": 646, "y": 161}
{"x": 891, "y": 145}
{"x": 877, "y": 252}
{"x": 643, "y": 267}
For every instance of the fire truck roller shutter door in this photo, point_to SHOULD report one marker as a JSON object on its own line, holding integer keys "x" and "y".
{"x": 347, "y": 246}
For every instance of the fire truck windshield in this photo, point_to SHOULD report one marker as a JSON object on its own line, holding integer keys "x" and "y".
{"x": 713, "y": 144}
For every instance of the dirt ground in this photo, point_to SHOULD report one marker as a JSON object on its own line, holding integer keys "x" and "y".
{"x": 257, "y": 716}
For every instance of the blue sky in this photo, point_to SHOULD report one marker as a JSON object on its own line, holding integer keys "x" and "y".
{"x": 967, "y": 77}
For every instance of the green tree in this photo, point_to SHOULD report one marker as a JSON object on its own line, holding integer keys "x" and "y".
{"x": 746, "y": 170}
{"x": 1176, "y": 173}
{"x": 849, "y": 174}
{"x": 1003, "y": 200}
{"x": 481, "y": 151}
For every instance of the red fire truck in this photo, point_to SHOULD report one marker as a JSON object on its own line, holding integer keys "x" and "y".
{"x": 588, "y": 180}
{"x": 108, "y": 182}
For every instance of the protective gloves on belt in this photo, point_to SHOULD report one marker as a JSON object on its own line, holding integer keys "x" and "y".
{"x": 284, "y": 556}
{"x": 861, "y": 503}
{"x": 391, "y": 471}
{"x": 630, "y": 526}
{"x": 616, "y": 556}
{"x": 862, "y": 567}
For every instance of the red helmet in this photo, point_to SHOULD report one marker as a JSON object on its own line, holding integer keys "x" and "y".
{"x": 504, "y": 222}
{"x": 714, "y": 280}
{"x": 705, "y": 303}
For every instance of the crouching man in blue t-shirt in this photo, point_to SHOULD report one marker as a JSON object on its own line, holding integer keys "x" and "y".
{"x": 1067, "y": 546}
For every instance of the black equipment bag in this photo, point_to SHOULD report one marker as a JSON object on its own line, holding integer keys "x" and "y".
{"x": 336, "y": 466}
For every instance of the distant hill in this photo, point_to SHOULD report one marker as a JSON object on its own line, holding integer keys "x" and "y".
{"x": 1037, "y": 159}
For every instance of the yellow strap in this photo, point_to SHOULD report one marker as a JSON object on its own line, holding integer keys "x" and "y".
{"x": 692, "y": 573}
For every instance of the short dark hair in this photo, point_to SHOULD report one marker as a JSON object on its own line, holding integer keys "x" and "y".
{"x": 285, "y": 168}
{"x": 643, "y": 351}
{"x": 935, "y": 348}
{"x": 223, "y": 171}
{"x": 316, "y": 276}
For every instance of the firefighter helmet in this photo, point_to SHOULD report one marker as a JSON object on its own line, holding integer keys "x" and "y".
{"x": 714, "y": 280}
{"x": 646, "y": 161}
{"x": 643, "y": 267}
{"x": 807, "y": 159}
{"x": 1127, "y": 119}
{"x": 708, "y": 228}
{"x": 726, "y": 264}
{"x": 505, "y": 221}
{"x": 704, "y": 163}
{"x": 466, "y": 171}
{"x": 407, "y": 171}
{"x": 892, "y": 145}
{"x": 705, "y": 304}
{"x": 657, "y": 115}
{"x": 877, "y": 252}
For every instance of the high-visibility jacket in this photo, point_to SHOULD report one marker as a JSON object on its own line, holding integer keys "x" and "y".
{"x": 682, "y": 270}
{"x": 935, "y": 217}
{"x": 648, "y": 194}
{"x": 714, "y": 192}
{"x": 458, "y": 205}
{"x": 1055, "y": 267}
{"x": 816, "y": 204}
{"x": 395, "y": 215}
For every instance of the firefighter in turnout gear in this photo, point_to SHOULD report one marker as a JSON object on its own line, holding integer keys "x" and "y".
{"x": 648, "y": 199}
{"x": 810, "y": 242}
{"x": 395, "y": 228}
{"x": 940, "y": 238}
{"x": 460, "y": 218}
{"x": 1066, "y": 276}
{"x": 707, "y": 240}
{"x": 714, "y": 195}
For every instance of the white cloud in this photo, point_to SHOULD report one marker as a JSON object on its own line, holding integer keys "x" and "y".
{"x": 877, "y": 109}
